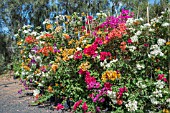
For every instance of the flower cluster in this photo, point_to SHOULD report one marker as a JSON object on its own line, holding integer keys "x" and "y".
{"x": 110, "y": 75}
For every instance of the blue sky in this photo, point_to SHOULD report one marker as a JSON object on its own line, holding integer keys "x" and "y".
{"x": 152, "y": 1}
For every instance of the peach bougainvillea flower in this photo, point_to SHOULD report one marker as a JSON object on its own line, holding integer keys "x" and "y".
{"x": 123, "y": 46}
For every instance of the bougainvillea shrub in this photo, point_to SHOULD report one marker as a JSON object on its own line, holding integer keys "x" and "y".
{"x": 96, "y": 64}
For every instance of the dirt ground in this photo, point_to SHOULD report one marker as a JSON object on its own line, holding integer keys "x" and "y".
{"x": 12, "y": 102}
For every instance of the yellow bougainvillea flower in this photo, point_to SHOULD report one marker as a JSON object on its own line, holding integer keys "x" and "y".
{"x": 84, "y": 66}
{"x": 99, "y": 32}
{"x": 166, "y": 111}
{"x": 68, "y": 17}
{"x": 87, "y": 34}
{"x": 26, "y": 68}
{"x": 71, "y": 42}
{"x": 82, "y": 38}
{"x": 54, "y": 67}
{"x": 48, "y": 26}
{"x": 168, "y": 43}
{"x": 71, "y": 51}
{"x": 83, "y": 14}
{"x": 19, "y": 43}
{"x": 37, "y": 71}
{"x": 56, "y": 84}
{"x": 110, "y": 75}
{"x": 50, "y": 89}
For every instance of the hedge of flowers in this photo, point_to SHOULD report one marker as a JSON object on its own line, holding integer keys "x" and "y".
{"x": 96, "y": 64}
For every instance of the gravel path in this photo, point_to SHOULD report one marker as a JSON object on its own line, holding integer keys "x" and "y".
{"x": 12, "y": 102}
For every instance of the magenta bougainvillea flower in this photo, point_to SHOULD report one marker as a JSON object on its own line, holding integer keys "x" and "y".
{"x": 104, "y": 55}
{"x": 84, "y": 106}
{"x": 77, "y": 104}
{"x": 59, "y": 106}
{"x": 78, "y": 55}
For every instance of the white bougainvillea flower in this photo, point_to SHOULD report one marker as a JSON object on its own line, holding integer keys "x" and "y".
{"x": 36, "y": 92}
{"x": 131, "y": 105}
{"x": 161, "y": 42}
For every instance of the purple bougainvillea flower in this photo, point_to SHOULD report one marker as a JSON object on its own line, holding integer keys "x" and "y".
{"x": 20, "y": 91}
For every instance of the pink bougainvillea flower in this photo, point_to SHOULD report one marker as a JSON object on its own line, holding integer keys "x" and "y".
{"x": 121, "y": 91}
{"x": 84, "y": 106}
{"x": 59, "y": 106}
{"x": 101, "y": 100}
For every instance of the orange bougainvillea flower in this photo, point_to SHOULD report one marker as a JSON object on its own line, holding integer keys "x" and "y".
{"x": 54, "y": 67}
{"x": 50, "y": 89}
{"x": 46, "y": 50}
{"x": 66, "y": 36}
{"x": 48, "y": 26}
{"x": 123, "y": 46}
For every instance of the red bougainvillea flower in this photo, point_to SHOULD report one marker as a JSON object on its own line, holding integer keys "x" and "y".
{"x": 29, "y": 39}
{"x": 84, "y": 106}
{"x": 78, "y": 55}
{"x": 107, "y": 85}
{"x": 77, "y": 104}
{"x": 48, "y": 35}
{"x": 59, "y": 106}
{"x": 103, "y": 55}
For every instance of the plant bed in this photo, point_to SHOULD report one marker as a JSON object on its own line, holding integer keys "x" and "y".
{"x": 100, "y": 64}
